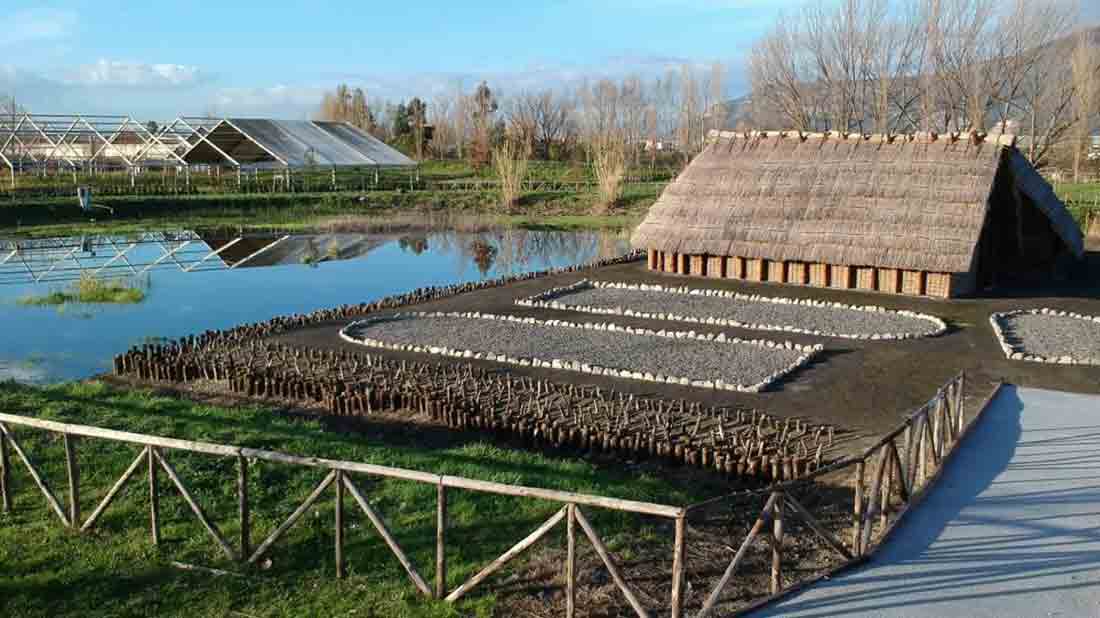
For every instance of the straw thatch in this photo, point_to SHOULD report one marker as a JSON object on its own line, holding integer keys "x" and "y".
{"x": 905, "y": 202}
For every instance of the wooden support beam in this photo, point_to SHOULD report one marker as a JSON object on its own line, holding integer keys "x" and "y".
{"x": 857, "y": 509}
{"x": 571, "y": 561}
{"x": 515, "y": 550}
{"x": 678, "y": 568}
{"x": 612, "y": 568}
{"x": 244, "y": 508}
{"x": 387, "y": 536}
{"x": 441, "y": 540}
{"x": 142, "y": 457}
{"x": 777, "y": 546}
{"x": 74, "y": 479}
{"x": 816, "y": 526}
{"x": 35, "y": 476}
{"x": 294, "y": 517}
{"x": 154, "y": 496}
{"x": 339, "y": 525}
{"x": 195, "y": 508}
{"x": 5, "y": 474}
{"x": 716, "y": 593}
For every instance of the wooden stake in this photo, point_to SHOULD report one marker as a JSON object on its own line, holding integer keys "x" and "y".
{"x": 154, "y": 497}
{"x": 777, "y": 534}
{"x": 571, "y": 562}
{"x": 441, "y": 540}
{"x": 74, "y": 479}
{"x": 857, "y": 510}
{"x": 339, "y": 530}
{"x": 244, "y": 509}
{"x": 5, "y": 474}
{"x": 678, "y": 568}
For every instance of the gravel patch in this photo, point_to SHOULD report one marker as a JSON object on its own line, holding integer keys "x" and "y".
{"x": 676, "y": 357}
{"x": 1048, "y": 336}
{"x": 707, "y": 306}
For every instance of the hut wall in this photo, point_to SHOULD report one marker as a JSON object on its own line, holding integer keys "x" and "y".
{"x": 755, "y": 270}
{"x": 716, "y": 266}
{"x": 654, "y": 261}
{"x": 889, "y": 280}
{"x": 797, "y": 273}
{"x": 777, "y": 271}
{"x": 937, "y": 285}
{"x": 683, "y": 267}
{"x": 867, "y": 278}
{"x": 819, "y": 275}
{"x": 912, "y": 282}
{"x": 841, "y": 276}
{"x": 735, "y": 267}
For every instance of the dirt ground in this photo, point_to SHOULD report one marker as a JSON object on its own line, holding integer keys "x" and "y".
{"x": 868, "y": 386}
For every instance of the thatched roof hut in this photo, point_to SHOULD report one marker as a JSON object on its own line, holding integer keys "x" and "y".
{"x": 919, "y": 214}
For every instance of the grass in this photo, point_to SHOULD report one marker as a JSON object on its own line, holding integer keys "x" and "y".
{"x": 90, "y": 290}
{"x": 543, "y": 210}
{"x": 1081, "y": 198}
{"x": 48, "y": 570}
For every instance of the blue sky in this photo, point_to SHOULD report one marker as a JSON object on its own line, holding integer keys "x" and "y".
{"x": 160, "y": 59}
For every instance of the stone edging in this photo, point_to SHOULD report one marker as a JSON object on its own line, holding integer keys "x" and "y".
{"x": 1018, "y": 353}
{"x": 808, "y": 352}
{"x": 546, "y": 300}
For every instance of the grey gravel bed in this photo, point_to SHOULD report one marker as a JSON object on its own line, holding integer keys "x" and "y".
{"x": 678, "y": 357}
{"x": 1049, "y": 336}
{"x": 741, "y": 310}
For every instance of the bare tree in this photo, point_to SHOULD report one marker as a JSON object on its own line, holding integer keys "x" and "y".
{"x": 1085, "y": 65}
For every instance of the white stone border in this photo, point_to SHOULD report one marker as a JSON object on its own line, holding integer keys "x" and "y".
{"x": 808, "y": 351}
{"x": 547, "y": 300}
{"x": 1019, "y": 353}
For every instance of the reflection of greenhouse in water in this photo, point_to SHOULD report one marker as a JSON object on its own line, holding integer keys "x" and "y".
{"x": 113, "y": 256}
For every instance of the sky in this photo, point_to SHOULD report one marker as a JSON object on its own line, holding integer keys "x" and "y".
{"x": 157, "y": 60}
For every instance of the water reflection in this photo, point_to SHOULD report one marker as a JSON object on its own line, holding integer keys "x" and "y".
{"x": 201, "y": 279}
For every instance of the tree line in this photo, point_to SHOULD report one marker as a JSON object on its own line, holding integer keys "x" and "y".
{"x": 900, "y": 66}
{"x": 672, "y": 113}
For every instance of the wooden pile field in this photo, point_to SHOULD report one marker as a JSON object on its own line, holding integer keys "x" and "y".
{"x": 541, "y": 413}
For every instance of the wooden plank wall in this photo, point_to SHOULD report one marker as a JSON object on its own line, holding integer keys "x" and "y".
{"x": 837, "y": 276}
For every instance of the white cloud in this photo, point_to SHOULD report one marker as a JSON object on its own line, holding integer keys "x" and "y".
{"x": 36, "y": 25}
{"x": 123, "y": 73}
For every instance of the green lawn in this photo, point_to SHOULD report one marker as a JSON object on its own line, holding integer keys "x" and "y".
{"x": 61, "y": 216}
{"x": 47, "y": 570}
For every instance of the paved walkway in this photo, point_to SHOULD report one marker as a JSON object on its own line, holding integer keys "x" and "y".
{"x": 1013, "y": 528}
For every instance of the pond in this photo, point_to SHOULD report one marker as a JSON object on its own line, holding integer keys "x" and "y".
{"x": 195, "y": 280}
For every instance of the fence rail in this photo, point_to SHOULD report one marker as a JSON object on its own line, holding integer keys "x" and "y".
{"x": 903, "y": 464}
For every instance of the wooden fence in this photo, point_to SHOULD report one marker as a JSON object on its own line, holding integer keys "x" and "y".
{"x": 903, "y": 464}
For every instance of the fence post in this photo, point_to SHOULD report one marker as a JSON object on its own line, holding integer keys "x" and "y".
{"x": 339, "y": 536}
{"x": 960, "y": 398}
{"x": 571, "y": 562}
{"x": 777, "y": 533}
{"x": 244, "y": 508}
{"x": 441, "y": 540}
{"x": 857, "y": 510}
{"x": 74, "y": 480}
{"x": 154, "y": 498}
{"x": 678, "y": 568}
{"x": 5, "y": 474}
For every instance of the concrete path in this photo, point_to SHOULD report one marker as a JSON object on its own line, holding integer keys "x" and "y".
{"x": 1013, "y": 528}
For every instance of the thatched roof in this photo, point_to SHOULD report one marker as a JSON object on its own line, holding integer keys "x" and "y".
{"x": 912, "y": 202}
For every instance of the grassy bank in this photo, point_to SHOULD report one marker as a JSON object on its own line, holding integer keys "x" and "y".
{"x": 559, "y": 210}
{"x": 115, "y": 571}
{"x": 88, "y": 289}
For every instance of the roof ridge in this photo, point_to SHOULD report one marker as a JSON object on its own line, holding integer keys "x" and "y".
{"x": 1001, "y": 139}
